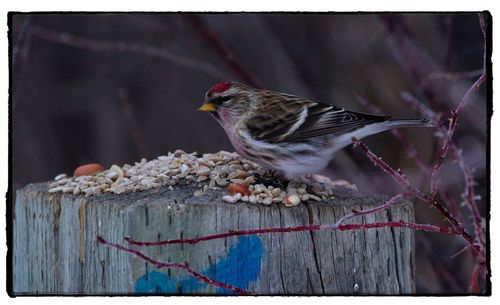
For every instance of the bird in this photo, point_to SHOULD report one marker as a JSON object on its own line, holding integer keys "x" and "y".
{"x": 291, "y": 135}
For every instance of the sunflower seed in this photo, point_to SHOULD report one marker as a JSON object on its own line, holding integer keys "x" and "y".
{"x": 60, "y": 176}
{"x": 267, "y": 201}
{"x": 229, "y": 199}
{"x": 314, "y": 197}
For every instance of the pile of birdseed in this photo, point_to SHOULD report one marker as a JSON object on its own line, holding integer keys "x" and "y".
{"x": 210, "y": 171}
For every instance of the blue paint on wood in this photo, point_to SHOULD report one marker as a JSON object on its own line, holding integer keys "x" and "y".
{"x": 154, "y": 282}
{"x": 239, "y": 268}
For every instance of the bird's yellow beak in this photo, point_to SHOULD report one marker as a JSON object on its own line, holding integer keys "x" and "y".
{"x": 208, "y": 107}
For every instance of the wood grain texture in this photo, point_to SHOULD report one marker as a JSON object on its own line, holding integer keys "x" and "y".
{"x": 56, "y": 251}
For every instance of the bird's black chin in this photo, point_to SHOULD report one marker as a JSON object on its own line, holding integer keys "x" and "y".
{"x": 215, "y": 115}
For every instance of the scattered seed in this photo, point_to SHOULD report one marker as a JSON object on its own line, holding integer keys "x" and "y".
{"x": 238, "y": 181}
{"x": 314, "y": 197}
{"x": 203, "y": 171}
{"x": 222, "y": 169}
{"x": 229, "y": 199}
{"x": 115, "y": 172}
{"x": 60, "y": 176}
{"x": 267, "y": 201}
{"x": 237, "y": 196}
{"x": 291, "y": 200}
{"x": 276, "y": 192}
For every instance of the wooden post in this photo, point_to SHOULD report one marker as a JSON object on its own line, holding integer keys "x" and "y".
{"x": 56, "y": 250}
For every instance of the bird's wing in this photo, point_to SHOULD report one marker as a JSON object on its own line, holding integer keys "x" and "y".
{"x": 287, "y": 118}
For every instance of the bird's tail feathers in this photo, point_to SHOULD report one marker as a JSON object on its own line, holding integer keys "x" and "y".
{"x": 345, "y": 139}
{"x": 396, "y": 123}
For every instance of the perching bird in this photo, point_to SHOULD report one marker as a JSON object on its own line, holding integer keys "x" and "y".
{"x": 290, "y": 134}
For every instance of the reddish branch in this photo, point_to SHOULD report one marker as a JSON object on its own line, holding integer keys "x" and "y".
{"x": 420, "y": 107}
{"x": 470, "y": 200}
{"x": 401, "y": 179}
{"x": 447, "y": 133}
{"x": 449, "y": 75}
{"x": 221, "y": 235}
{"x": 139, "y": 48}
{"x": 455, "y": 113}
{"x": 342, "y": 227}
{"x": 401, "y": 224}
{"x": 477, "y": 273}
{"x": 392, "y": 201}
{"x": 457, "y": 156}
{"x": 408, "y": 147}
{"x": 410, "y": 150}
{"x": 339, "y": 225}
{"x": 334, "y": 226}
{"x": 183, "y": 266}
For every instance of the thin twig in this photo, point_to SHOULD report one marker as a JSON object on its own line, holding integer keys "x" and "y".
{"x": 222, "y": 235}
{"x": 449, "y": 75}
{"x": 421, "y": 108}
{"x": 470, "y": 200}
{"x": 408, "y": 147}
{"x": 457, "y": 156}
{"x": 354, "y": 213}
{"x": 477, "y": 273}
{"x": 183, "y": 266}
{"x": 139, "y": 48}
{"x": 401, "y": 179}
{"x": 401, "y": 224}
{"x": 418, "y": 106}
{"x": 342, "y": 227}
{"x": 339, "y": 225}
{"x": 455, "y": 113}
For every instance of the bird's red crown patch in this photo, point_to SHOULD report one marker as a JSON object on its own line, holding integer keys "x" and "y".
{"x": 220, "y": 87}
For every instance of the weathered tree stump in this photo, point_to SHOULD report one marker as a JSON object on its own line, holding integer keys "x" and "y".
{"x": 56, "y": 250}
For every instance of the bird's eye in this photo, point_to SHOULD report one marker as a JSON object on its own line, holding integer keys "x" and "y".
{"x": 222, "y": 100}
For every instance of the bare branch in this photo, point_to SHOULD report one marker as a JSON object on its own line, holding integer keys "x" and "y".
{"x": 406, "y": 144}
{"x": 139, "y": 48}
{"x": 401, "y": 179}
{"x": 448, "y": 75}
{"x": 183, "y": 266}
{"x": 339, "y": 225}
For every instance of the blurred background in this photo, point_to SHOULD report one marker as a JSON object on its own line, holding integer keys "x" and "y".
{"x": 115, "y": 88}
